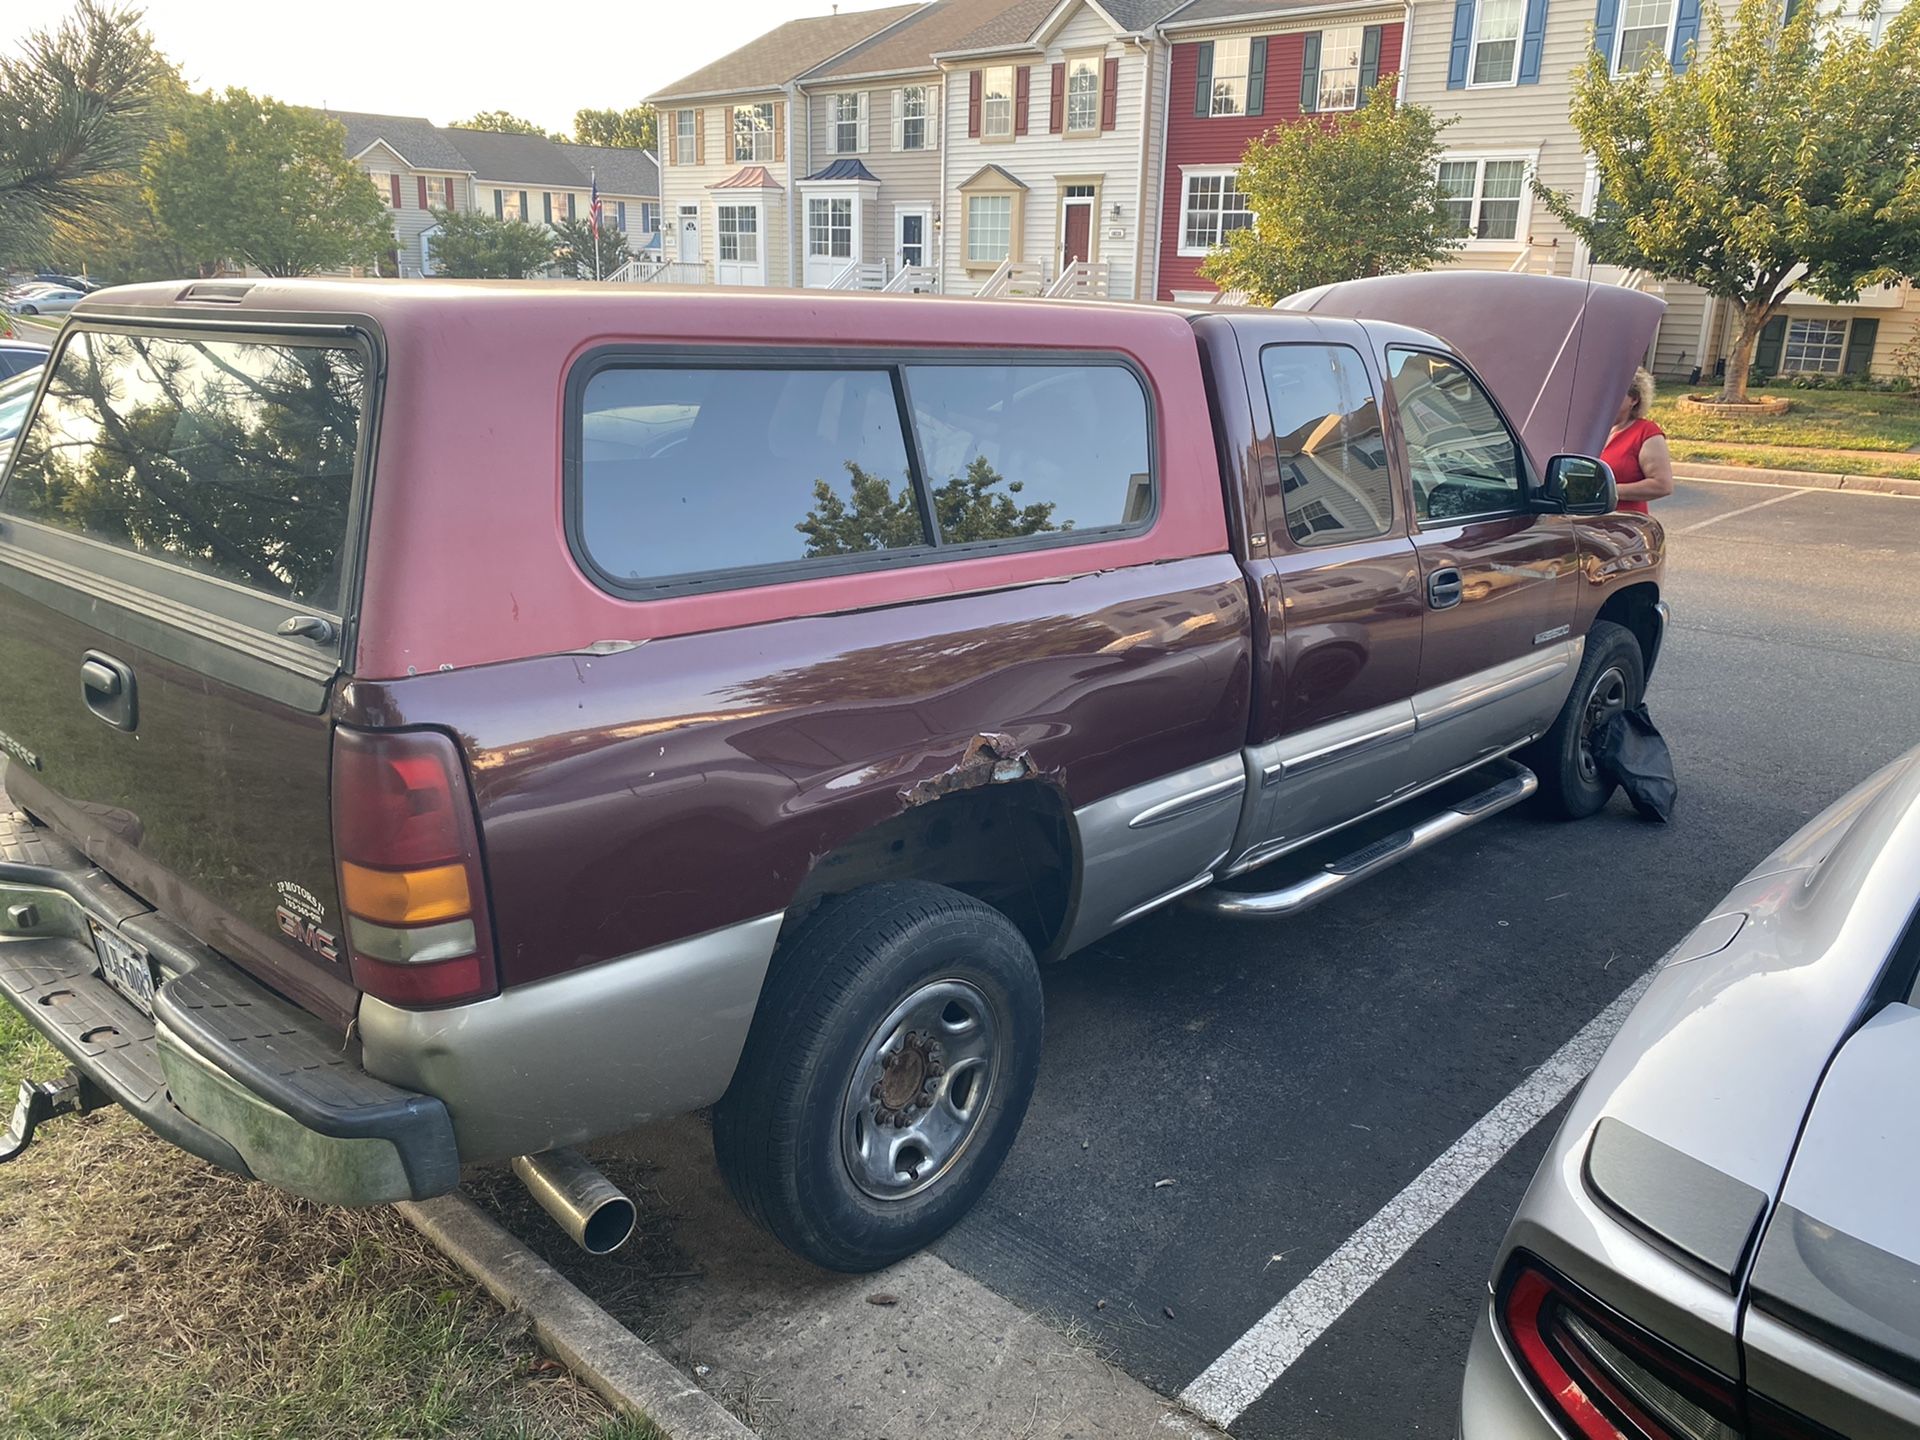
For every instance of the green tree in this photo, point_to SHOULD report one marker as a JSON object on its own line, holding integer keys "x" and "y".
{"x": 76, "y": 110}
{"x": 246, "y": 178}
{"x": 632, "y": 129}
{"x": 505, "y": 122}
{"x": 475, "y": 246}
{"x": 969, "y": 506}
{"x": 575, "y": 252}
{"x": 1780, "y": 159}
{"x": 1337, "y": 198}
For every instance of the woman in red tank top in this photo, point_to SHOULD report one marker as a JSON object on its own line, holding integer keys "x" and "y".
{"x": 1636, "y": 451}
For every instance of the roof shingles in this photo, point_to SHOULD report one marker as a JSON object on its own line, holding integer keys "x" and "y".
{"x": 783, "y": 53}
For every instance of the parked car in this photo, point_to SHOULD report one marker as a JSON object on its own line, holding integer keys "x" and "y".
{"x": 1723, "y": 1241}
{"x": 53, "y": 300}
{"x": 68, "y": 282}
{"x": 19, "y": 356}
{"x": 719, "y": 699}
{"x": 16, "y": 394}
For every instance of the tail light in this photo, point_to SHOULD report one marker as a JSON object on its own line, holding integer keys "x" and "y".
{"x": 410, "y": 875}
{"x": 1605, "y": 1378}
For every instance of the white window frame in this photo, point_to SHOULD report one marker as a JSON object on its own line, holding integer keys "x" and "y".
{"x": 722, "y": 234}
{"x": 1236, "y": 95}
{"x": 1190, "y": 173}
{"x": 987, "y": 132}
{"x": 1888, "y": 13}
{"x": 816, "y": 235}
{"x": 1523, "y": 217}
{"x": 1473, "y": 52}
{"x": 999, "y": 197}
{"x": 760, "y": 138}
{"x": 850, "y": 109}
{"x": 925, "y": 117}
{"x": 1095, "y": 64}
{"x": 1839, "y": 352}
{"x": 1620, "y": 36}
{"x": 1359, "y": 33}
{"x": 686, "y": 137}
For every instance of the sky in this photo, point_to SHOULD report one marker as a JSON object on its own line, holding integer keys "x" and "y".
{"x": 445, "y": 62}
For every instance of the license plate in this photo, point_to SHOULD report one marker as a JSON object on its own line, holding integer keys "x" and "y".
{"x": 124, "y": 966}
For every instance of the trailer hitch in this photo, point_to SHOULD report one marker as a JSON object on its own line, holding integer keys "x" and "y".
{"x": 44, "y": 1100}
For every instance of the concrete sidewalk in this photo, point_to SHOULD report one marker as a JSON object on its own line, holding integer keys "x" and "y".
{"x": 1795, "y": 479}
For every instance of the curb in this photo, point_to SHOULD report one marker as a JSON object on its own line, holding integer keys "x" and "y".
{"x": 586, "y": 1339}
{"x": 1796, "y": 479}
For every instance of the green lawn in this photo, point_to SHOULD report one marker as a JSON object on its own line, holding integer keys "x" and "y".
{"x": 148, "y": 1294}
{"x": 1820, "y": 421}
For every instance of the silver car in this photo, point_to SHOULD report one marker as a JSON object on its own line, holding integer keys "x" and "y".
{"x": 1724, "y": 1240}
{"x": 55, "y": 300}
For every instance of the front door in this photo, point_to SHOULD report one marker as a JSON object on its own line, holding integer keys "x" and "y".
{"x": 1339, "y": 595}
{"x": 739, "y": 254}
{"x": 1076, "y": 227}
{"x": 910, "y": 238}
{"x": 689, "y": 235}
{"x": 1496, "y": 656}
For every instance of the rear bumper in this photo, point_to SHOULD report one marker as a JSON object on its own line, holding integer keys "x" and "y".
{"x": 223, "y": 1068}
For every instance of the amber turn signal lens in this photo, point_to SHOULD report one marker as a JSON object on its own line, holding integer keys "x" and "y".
{"x": 405, "y": 897}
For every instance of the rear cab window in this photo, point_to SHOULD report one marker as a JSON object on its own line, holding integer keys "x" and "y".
{"x": 690, "y": 474}
{"x": 217, "y": 471}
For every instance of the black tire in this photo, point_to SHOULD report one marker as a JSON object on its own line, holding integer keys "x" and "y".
{"x": 785, "y": 1131}
{"x": 26, "y": 310}
{"x": 1612, "y": 676}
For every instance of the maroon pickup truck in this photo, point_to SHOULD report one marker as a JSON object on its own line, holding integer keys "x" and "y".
{"x": 452, "y": 722}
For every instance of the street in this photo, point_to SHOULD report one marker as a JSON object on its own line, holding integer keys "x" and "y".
{"x": 1222, "y": 1105}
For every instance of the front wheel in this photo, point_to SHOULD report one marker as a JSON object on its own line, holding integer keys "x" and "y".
{"x": 885, "y": 1076}
{"x": 26, "y": 310}
{"x": 1611, "y": 680}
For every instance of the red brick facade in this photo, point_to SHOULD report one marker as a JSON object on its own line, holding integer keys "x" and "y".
{"x": 1219, "y": 140}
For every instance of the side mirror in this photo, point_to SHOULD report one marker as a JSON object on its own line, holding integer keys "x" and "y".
{"x": 1579, "y": 485}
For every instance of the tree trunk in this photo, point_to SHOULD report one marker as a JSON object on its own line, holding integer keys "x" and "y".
{"x": 1753, "y": 319}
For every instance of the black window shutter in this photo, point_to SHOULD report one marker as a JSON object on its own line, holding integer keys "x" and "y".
{"x": 1203, "y": 78}
{"x": 1766, "y": 355}
{"x": 1369, "y": 62}
{"x": 1860, "y": 337}
{"x": 1310, "y": 74}
{"x": 499, "y": 206}
{"x": 1257, "y": 76}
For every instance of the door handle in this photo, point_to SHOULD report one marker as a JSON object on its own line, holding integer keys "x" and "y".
{"x": 1445, "y": 588}
{"x": 106, "y": 684}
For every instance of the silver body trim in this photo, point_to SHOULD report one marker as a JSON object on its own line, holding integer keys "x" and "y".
{"x": 589, "y": 1053}
{"x": 1128, "y": 868}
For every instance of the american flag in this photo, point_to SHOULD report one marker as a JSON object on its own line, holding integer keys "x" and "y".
{"x": 594, "y": 179}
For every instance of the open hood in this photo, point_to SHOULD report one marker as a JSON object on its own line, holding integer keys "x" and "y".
{"x": 1557, "y": 352}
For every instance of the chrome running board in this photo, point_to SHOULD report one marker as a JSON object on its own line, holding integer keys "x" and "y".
{"x": 1517, "y": 782}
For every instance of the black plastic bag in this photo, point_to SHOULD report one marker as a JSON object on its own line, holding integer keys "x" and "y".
{"x": 1630, "y": 750}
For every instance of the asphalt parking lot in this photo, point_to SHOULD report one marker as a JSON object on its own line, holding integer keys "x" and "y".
{"x": 1290, "y": 1079}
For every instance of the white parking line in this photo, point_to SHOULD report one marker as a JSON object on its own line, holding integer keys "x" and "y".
{"x": 1260, "y": 1357}
{"x": 1744, "y": 509}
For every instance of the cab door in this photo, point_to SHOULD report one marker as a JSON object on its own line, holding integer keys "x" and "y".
{"x": 1496, "y": 576}
{"x": 1339, "y": 587}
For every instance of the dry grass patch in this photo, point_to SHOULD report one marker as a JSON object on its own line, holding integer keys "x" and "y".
{"x": 148, "y": 1294}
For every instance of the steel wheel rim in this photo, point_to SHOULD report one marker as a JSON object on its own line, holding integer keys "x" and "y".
{"x": 920, "y": 1091}
{"x": 1607, "y": 698}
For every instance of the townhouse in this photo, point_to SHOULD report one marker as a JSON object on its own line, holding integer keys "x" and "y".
{"x": 729, "y": 153}
{"x": 1239, "y": 68}
{"x": 419, "y": 167}
{"x": 1503, "y": 71}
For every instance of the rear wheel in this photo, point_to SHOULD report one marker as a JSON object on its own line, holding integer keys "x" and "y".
{"x": 885, "y": 1076}
{"x": 27, "y": 310}
{"x": 1611, "y": 679}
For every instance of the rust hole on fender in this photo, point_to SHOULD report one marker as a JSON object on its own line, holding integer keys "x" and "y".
{"x": 990, "y": 759}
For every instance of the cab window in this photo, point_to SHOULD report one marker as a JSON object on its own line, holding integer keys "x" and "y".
{"x": 1464, "y": 460}
{"x": 1332, "y": 457}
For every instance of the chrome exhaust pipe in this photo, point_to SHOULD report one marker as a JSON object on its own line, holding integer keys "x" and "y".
{"x": 582, "y": 1201}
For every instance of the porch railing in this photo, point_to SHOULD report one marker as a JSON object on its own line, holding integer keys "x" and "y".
{"x": 1081, "y": 280}
{"x": 1015, "y": 277}
{"x": 861, "y": 275}
{"x": 913, "y": 280}
{"x": 644, "y": 270}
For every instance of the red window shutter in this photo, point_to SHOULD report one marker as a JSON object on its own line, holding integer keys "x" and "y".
{"x": 1110, "y": 93}
{"x": 448, "y": 184}
{"x": 1057, "y": 101}
{"x": 421, "y": 181}
{"x": 393, "y": 187}
{"x": 1022, "y": 92}
{"x": 973, "y": 104}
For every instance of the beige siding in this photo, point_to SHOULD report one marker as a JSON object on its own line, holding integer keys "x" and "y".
{"x": 907, "y": 177}
{"x": 410, "y": 220}
{"x": 1111, "y": 160}
{"x": 692, "y": 185}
